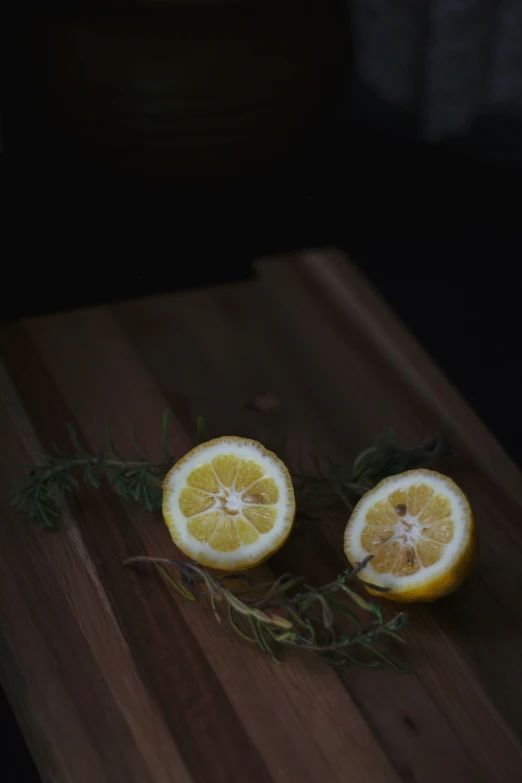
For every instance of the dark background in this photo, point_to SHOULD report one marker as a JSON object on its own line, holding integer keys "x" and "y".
{"x": 152, "y": 149}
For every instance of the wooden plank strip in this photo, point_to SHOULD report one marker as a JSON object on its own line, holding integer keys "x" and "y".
{"x": 68, "y": 560}
{"x": 289, "y": 300}
{"x": 82, "y": 728}
{"x": 191, "y": 699}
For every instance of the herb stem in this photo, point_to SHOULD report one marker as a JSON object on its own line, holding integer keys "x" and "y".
{"x": 359, "y": 488}
{"x": 360, "y": 638}
{"x": 108, "y": 463}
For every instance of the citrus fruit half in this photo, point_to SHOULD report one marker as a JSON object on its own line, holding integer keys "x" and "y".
{"x": 420, "y": 529}
{"x": 229, "y": 503}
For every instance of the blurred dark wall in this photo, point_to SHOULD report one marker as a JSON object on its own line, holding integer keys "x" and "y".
{"x": 155, "y": 147}
{"x": 189, "y": 87}
{"x": 183, "y": 91}
{"x": 445, "y": 71}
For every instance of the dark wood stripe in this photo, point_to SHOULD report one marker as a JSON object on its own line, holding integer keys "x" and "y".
{"x": 191, "y": 698}
{"x": 470, "y": 607}
{"x": 35, "y": 598}
{"x": 479, "y": 615}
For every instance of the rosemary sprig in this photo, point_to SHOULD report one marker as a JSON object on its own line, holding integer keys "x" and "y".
{"x": 136, "y": 478}
{"x": 331, "y": 484}
{"x": 291, "y": 613}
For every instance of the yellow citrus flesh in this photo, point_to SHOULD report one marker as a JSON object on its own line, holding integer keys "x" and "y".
{"x": 229, "y": 503}
{"x": 420, "y": 530}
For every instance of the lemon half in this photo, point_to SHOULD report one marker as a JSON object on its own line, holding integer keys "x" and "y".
{"x": 420, "y": 529}
{"x": 229, "y": 503}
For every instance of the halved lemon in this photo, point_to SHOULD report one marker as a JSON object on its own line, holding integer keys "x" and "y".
{"x": 420, "y": 529}
{"x": 229, "y": 503}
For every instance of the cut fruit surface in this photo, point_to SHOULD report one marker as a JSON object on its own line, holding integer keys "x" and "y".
{"x": 420, "y": 530}
{"x": 229, "y": 503}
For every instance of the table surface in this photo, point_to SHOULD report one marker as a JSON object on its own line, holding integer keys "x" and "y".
{"x": 115, "y": 678}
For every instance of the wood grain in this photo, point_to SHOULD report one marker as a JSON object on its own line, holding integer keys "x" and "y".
{"x": 113, "y": 678}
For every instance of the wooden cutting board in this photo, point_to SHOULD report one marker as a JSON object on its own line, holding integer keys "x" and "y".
{"x": 113, "y": 678}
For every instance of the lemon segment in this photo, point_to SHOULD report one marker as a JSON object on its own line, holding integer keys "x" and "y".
{"x": 204, "y": 478}
{"x": 418, "y": 496}
{"x": 249, "y": 471}
{"x": 225, "y": 467}
{"x": 420, "y": 530}
{"x": 225, "y": 537}
{"x": 381, "y": 513}
{"x": 264, "y": 491}
{"x": 203, "y": 525}
{"x": 229, "y": 503}
{"x": 246, "y": 532}
{"x": 193, "y": 501}
{"x": 262, "y": 517}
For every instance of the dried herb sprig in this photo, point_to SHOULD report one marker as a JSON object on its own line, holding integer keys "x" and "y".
{"x": 291, "y": 613}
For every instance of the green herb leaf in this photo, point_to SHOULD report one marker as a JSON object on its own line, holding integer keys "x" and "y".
{"x": 202, "y": 430}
